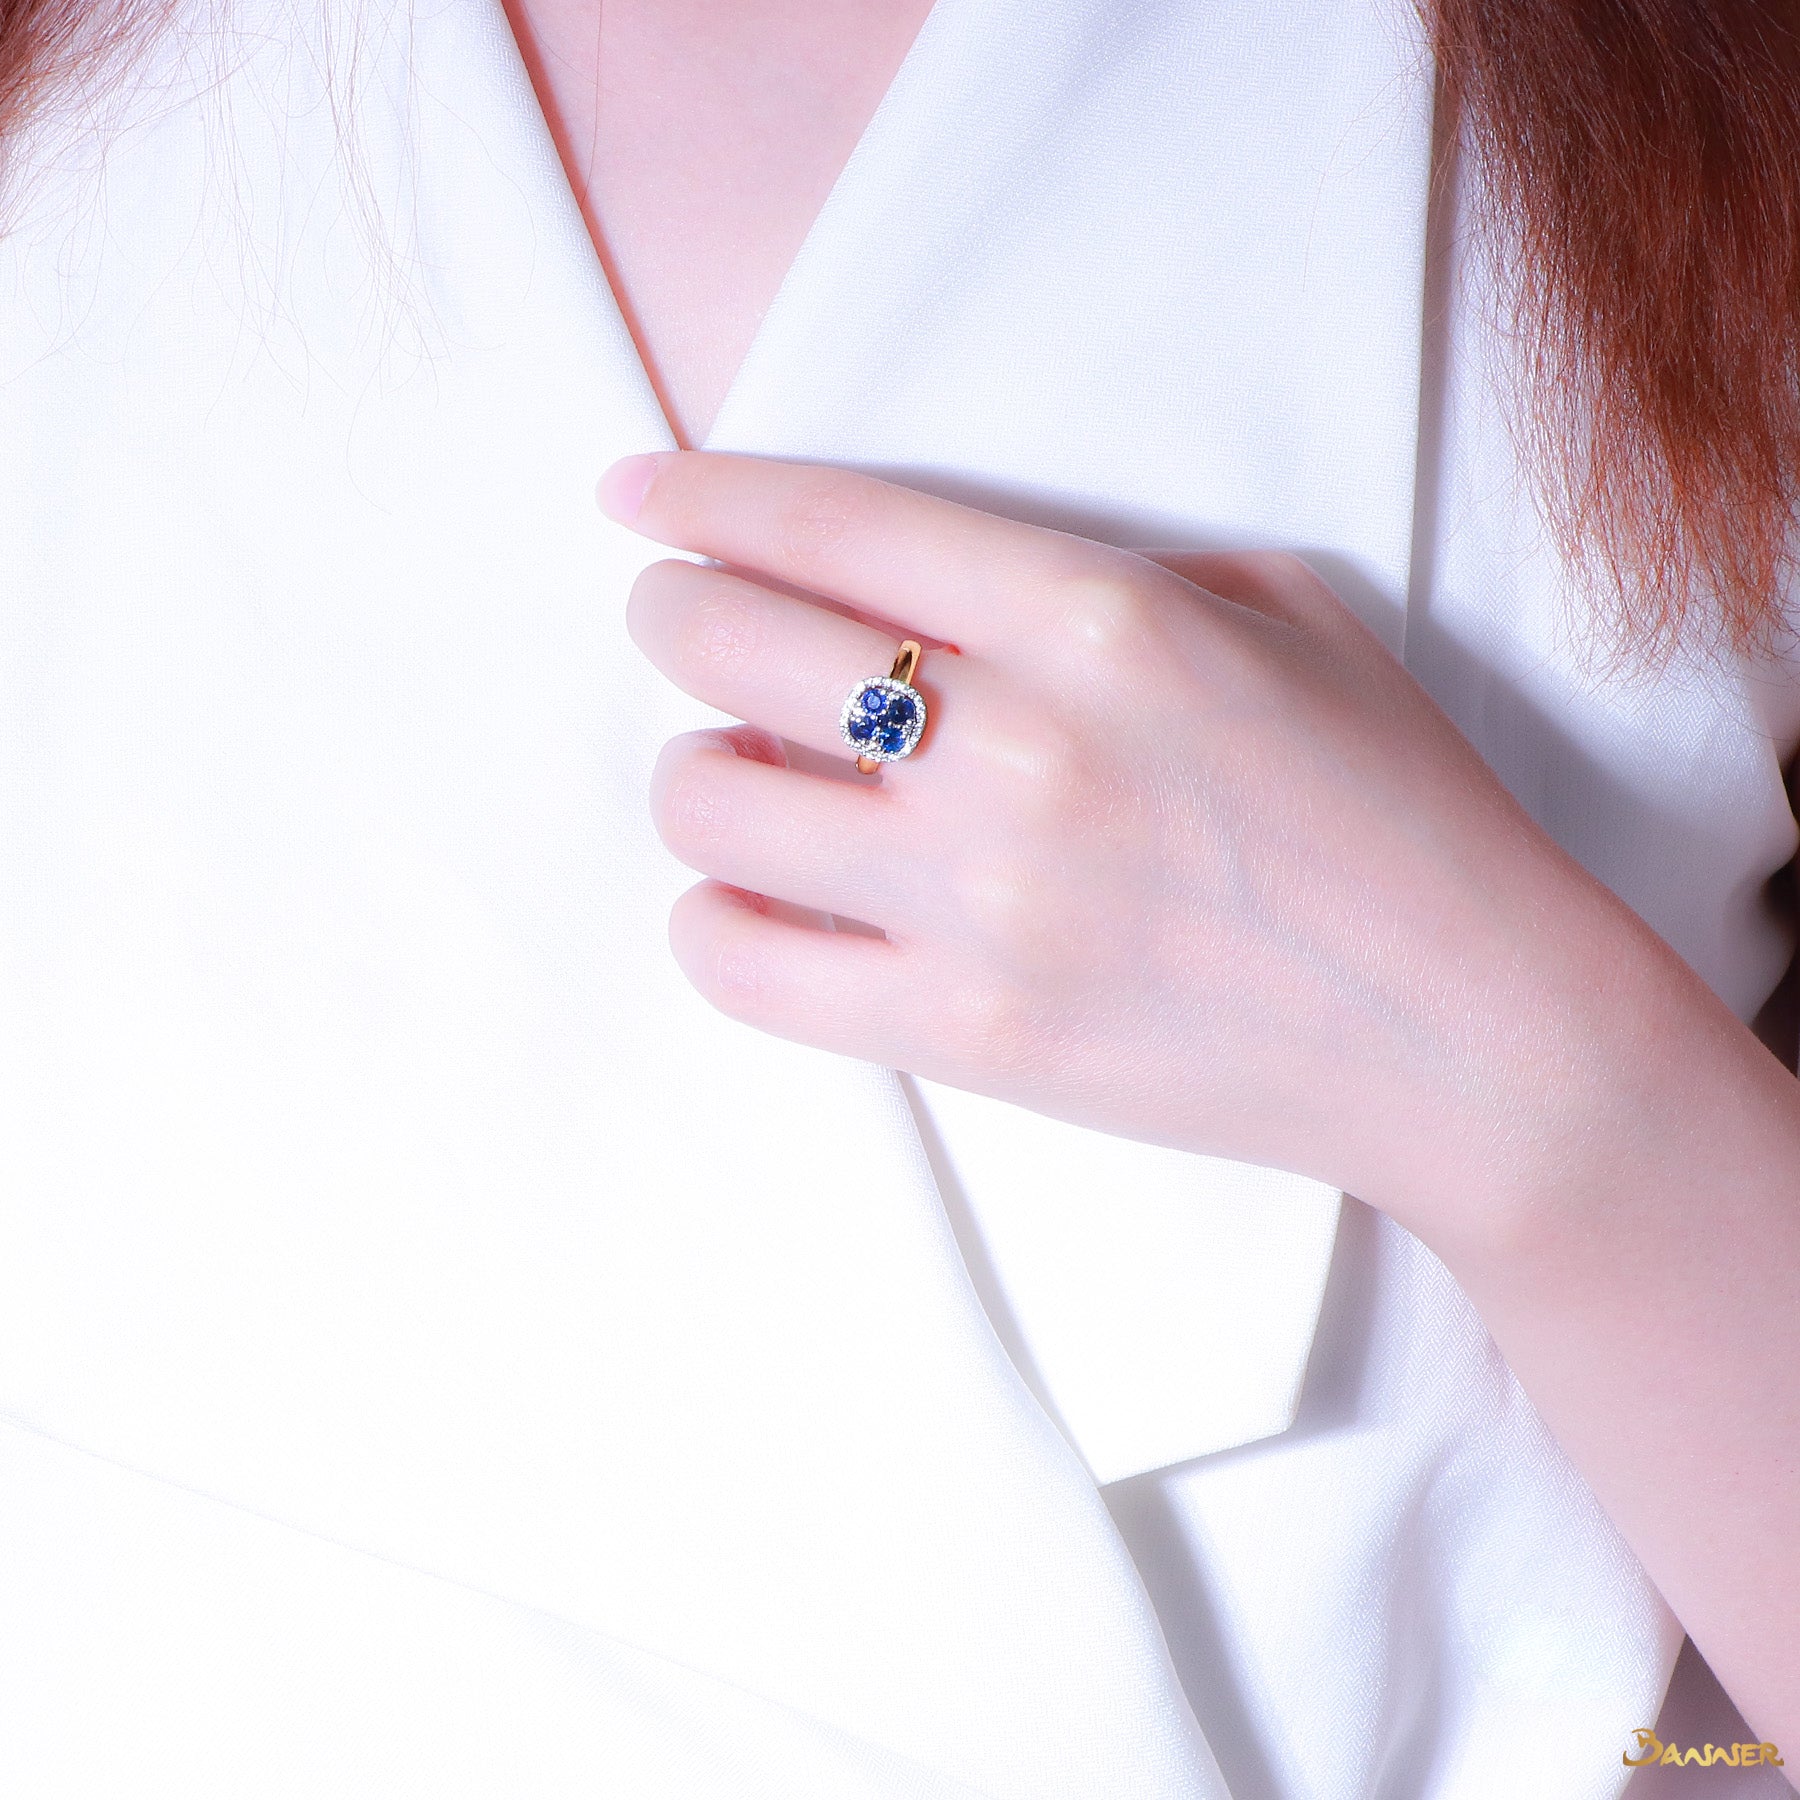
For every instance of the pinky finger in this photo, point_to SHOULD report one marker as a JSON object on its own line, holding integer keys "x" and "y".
{"x": 754, "y": 961}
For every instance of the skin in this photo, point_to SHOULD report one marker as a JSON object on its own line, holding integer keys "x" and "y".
{"x": 697, "y": 209}
{"x": 1181, "y": 813}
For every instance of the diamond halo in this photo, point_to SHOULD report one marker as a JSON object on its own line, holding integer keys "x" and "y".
{"x": 883, "y": 718}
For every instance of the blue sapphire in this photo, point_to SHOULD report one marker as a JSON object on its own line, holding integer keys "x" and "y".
{"x": 883, "y": 719}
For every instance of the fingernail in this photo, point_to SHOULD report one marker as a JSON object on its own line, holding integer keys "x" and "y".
{"x": 623, "y": 487}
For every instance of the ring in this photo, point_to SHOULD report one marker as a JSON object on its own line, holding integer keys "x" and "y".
{"x": 885, "y": 714}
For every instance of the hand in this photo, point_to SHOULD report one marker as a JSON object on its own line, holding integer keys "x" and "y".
{"x": 1184, "y": 854}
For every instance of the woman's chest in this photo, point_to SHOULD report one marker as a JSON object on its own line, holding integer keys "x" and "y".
{"x": 701, "y": 140}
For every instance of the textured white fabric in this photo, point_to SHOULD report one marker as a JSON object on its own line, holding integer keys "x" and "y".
{"x": 1161, "y": 1306}
{"x": 408, "y": 1288}
{"x": 158, "y": 1643}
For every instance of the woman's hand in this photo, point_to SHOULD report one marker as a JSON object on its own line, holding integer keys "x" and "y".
{"x": 1183, "y": 855}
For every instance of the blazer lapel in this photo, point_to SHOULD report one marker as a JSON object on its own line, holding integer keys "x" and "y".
{"x": 371, "y": 1166}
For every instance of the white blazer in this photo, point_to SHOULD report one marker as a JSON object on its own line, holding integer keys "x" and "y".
{"x": 440, "y": 1356}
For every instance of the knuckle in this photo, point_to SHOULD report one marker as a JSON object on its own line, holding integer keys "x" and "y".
{"x": 1045, "y": 767}
{"x": 1102, "y": 612}
{"x": 718, "y": 629}
{"x": 752, "y": 743}
{"x": 723, "y": 956}
{"x": 982, "y": 1024}
{"x": 1008, "y": 908}
{"x": 822, "y": 514}
{"x": 1287, "y": 582}
{"x": 1025, "y": 741}
{"x": 1276, "y": 568}
{"x": 1288, "y": 565}
{"x": 737, "y": 975}
{"x": 655, "y": 589}
{"x": 691, "y": 810}
{"x": 995, "y": 899}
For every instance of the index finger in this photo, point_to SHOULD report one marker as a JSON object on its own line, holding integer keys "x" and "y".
{"x": 951, "y": 571}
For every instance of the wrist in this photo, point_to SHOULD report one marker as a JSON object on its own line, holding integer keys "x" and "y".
{"x": 1612, "y": 1071}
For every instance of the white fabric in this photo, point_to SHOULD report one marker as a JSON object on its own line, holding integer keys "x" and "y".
{"x": 1161, "y": 1306}
{"x": 160, "y": 1643}
{"x": 409, "y": 1291}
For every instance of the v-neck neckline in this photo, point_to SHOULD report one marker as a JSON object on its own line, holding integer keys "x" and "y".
{"x": 877, "y": 129}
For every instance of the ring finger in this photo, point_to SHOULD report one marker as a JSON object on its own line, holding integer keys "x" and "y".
{"x": 784, "y": 663}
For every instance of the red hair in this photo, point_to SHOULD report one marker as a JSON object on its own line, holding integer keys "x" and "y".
{"x": 60, "y": 52}
{"x": 1639, "y": 162}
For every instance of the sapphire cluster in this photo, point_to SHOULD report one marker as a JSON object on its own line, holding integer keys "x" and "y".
{"x": 883, "y": 719}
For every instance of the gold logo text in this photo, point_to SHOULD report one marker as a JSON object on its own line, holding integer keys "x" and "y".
{"x": 1652, "y": 1749}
